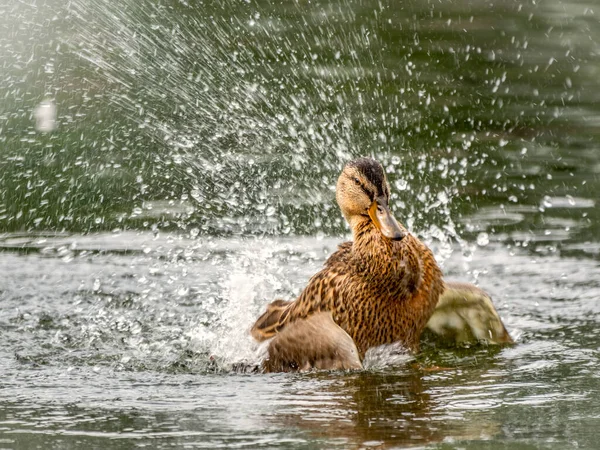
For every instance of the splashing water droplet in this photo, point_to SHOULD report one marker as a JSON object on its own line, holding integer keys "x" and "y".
{"x": 443, "y": 198}
{"x": 401, "y": 184}
{"x": 547, "y": 202}
{"x": 483, "y": 239}
{"x": 182, "y": 291}
{"x": 45, "y": 116}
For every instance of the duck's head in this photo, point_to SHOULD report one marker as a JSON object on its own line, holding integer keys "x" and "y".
{"x": 363, "y": 194}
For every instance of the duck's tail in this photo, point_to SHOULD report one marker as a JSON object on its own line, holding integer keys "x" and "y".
{"x": 271, "y": 321}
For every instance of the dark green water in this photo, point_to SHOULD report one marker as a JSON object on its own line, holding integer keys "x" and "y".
{"x": 188, "y": 179}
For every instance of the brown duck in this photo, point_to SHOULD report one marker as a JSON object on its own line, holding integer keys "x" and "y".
{"x": 381, "y": 288}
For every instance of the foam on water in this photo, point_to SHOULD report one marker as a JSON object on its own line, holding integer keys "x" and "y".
{"x": 386, "y": 356}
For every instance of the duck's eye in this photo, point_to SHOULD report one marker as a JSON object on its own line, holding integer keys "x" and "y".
{"x": 356, "y": 180}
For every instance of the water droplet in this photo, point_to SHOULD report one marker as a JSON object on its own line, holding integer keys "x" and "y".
{"x": 547, "y": 202}
{"x": 443, "y": 198}
{"x": 483, "y": 239}
{"x": 401, "y": 184}
{"x": 182, "y": 291}
{"x": 197, "y": 195}
{"x": 45, "y": 116}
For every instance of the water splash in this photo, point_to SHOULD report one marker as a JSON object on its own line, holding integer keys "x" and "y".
{"x": 249, "y": 278}
{"x": 230, "y": 108}
{"x": 386, "y": 356}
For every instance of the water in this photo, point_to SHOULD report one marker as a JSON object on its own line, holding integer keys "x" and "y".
{"x": 110, "y": 346}
{"x": 167, "y": 168}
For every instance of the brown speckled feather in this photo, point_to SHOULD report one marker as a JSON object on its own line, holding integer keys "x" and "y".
{"x": 378, "y": 290}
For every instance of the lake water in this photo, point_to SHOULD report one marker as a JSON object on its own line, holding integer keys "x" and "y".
{"x": 167, "y": 168}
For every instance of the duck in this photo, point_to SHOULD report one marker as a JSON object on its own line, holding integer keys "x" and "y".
{"x": 383, "y": 287}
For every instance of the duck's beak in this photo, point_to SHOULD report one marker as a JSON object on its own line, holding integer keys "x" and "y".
{"x": 384, "y": 221}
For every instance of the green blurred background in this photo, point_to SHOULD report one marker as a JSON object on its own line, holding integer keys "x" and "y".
{"x": 236, "y": 117}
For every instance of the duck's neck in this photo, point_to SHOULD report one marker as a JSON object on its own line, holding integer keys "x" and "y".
{"x": 391, "y": 266}
{"x": 370, "y": 247}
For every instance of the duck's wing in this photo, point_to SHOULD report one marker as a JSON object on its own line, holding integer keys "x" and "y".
{"x": 316, "y": 342}
{"x": 465, "y": 313}
{"x": 319, "y": 295}
{"x": 271, "y": 320}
